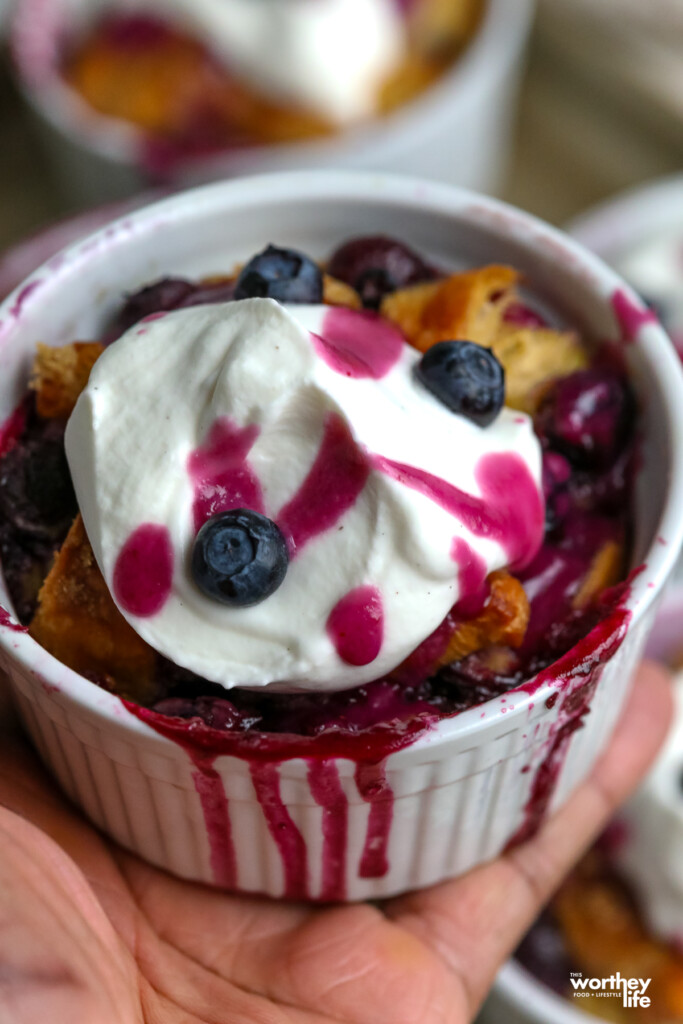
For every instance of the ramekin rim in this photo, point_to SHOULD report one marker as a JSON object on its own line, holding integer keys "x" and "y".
{"x": 428, "y": 196}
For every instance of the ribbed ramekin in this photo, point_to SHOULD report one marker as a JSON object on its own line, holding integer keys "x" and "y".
{"x": 464, "y": 788}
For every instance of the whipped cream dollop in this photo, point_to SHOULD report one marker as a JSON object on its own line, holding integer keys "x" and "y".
{"x": 327, "y": 56}
{"x": 392, "y": 506}
{"x": 650, "y": 853}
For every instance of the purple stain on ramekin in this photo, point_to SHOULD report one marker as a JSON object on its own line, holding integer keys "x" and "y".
{"x": 22, "y": 297}
{"x": 8, "y": 622}
{"x": 631, "y": 315}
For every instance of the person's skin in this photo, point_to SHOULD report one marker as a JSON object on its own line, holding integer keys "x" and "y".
{"x": 91, "y": 935}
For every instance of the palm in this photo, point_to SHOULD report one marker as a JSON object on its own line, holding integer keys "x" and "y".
{"x": 89, "y": 932}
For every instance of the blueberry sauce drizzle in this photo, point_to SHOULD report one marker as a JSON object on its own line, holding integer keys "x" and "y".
{"x": 332, "y": 487}
{"x": 630, "y": 315}
{"x": 211, "y": 792}
{"x": 288, "y": 838}
{"x": 143, "y": 573}
{"x": 510, "y": 509}
{"x": 8, "y": 622}
{"x": 360, "y": 345}
{"x": 576, "y": 676}
{"x": 472, "y": 580}
{"x": 327, "y": 791}
{"x": 221, "y": 474}
{"x": 371, "y": 780}
{"x": 356, "y": 625}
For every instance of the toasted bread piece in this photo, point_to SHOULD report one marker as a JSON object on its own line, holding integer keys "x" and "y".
{"x": 606, "y": 569}
{"x": 338, "y": 293}
{"x": 416, "y": 72}
{"x": 462, "y": 307}
{"x": 532, "y": 358}
{"x": 471, "y": 307}
{"x": 78, "y": 622}
{"x": 502, "y": 622}
{"x": 60, "y": 374}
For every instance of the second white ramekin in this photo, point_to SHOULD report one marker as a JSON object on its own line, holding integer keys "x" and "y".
{"x": 458, "y": 794}
{"x": 459, "y": 131}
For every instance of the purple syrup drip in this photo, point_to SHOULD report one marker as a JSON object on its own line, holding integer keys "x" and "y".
{"x": 331, "y": 488}
{"x": 143, "y": 574}
{"x": 288, "y": 839}
{"x": 209, "y": 787}
{"x": 358, "y": 344}
{"x": 371, "y": 780}
{"x": 8, "y": 622}
{"x": 631, "y": 316}
{"x": 523, "y": 316}
{"x": 22, "y": 298}
{"x": 222, "y": 477}
{"x": 510, "y": 510}
{"x": 585, "y": 662}
{"x": 472, "y": 579}
{"x": 356, "y": 626}
{"x": 134, "y": 33}
{"x": 326, "y": 788}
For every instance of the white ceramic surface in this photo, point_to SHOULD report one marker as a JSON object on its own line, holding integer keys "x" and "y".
{"x": 25, "y": 256}
{"x": 621, "y": 224}
{"x": 517, "y": 996}
{"x": 459, "y": 131}
{"x": 460, "y": 790}
{"x": 612, "y": 230}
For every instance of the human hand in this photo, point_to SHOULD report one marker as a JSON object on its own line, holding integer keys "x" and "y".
{"x": 89, "y": 933}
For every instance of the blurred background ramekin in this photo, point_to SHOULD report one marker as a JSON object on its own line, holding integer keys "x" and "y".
{"x": 518, "y": 996}
{"x": 458, "y": 131}
{"x": 461, "y": 789}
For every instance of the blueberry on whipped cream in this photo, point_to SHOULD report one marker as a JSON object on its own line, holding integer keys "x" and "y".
{"x": 239, "y": 557}
{"x": 467, "y": 378}
{"x": 280, "y": 274}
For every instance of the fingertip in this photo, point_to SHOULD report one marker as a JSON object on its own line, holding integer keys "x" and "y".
{"x": 640, "y": 732}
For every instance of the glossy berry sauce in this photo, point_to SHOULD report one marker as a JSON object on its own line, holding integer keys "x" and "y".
{"x": 631, "y": 315}
{"x": 587, "y": 503}
{"x": 344, "y": 346}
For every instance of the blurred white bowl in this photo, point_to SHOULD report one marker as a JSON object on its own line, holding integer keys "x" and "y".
{"x": 459, "y": 131}
{"x": 640, "y": 234}
{"x": 519, "y": 998}
{"x": 622, "y": 224}
{"x": 614, "y": 230}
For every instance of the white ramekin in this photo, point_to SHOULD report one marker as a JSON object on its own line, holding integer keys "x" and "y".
{"x": 617, "y": 227}
{"x": 460, "y": 790}
{"x": 519, "y": 998}
{"x": 459, "y": 131}
{"x": 25, "y": 256}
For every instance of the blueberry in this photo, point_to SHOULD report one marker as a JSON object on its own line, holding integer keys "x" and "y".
{"x": 281, "y": 274}
{"x": 376, "y": 266}
{"x": 159, "y": 297}
{"x": 239, "y": 558}
{"x": 587, "y": 416}
{"x": 465, "y": 377}
{"x": 556, "y": 478}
